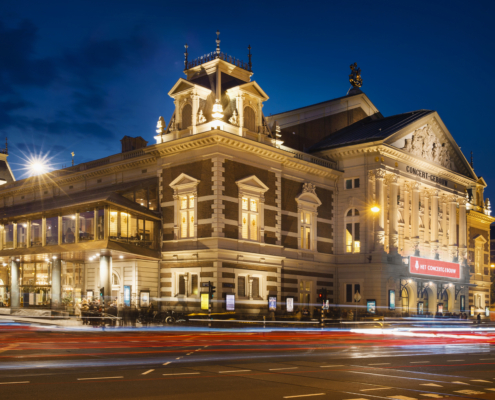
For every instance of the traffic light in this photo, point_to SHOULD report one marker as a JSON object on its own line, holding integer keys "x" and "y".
{"x": 322, "y": 295}
{"x": 212, "y": 290}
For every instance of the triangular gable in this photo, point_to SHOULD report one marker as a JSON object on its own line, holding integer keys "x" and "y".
{"x": 481, "y": 181}
{"x": 429, "y": 139}
{"x": 184, "y": 181}
{"x": 182, "y": 85}
{"x": 254, "y": 88}
{"x": 479, "y": 238}
{"x": 252, "y": 183}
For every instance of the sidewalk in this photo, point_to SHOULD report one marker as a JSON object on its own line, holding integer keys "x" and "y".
{"x": 42, "y": 320}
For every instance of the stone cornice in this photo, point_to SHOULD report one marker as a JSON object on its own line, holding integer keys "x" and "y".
{"x": 215, "y": 137}
{"x": 486, "y": 219}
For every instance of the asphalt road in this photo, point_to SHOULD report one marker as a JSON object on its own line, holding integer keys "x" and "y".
{"x": 43, "y": 363}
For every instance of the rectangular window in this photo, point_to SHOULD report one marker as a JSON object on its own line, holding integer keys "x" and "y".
{"x": 256, "y": 288}
{"x": 352, "y": 238}
{"x": 249, "y": 218}
{"x": 36, "y": 233}
{"x": 21, "y": 234}
{"x": 182, "y": 285}
{"x": 187, "y": 216}
{"x": 352, "y": 183}
{"x": 51, "y": 231}
{"x": 348, "y": 293}
{"x": 194, "y": 284}
{"x": 241, "y": 286}
{"x": 68, "y": 228}
{"x": 86, "y": 226}
{"x": 348, "y": 238}
{"x": 8, "y": 240}
{"x": 305, "y": 230}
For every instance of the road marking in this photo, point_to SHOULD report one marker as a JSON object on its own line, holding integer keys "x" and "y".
{"x": 147, "y": 372}
{"x": 486, "y": 359}
{"x": 461, "y": 383}
{"x": 419, "y": 362}
{"x": 383, "y": 388}
{"x": 430, "y": 384}
{"x": 184, "y": 373}
{"x": 279, "y": 369}
{"x": 188, "y": 354}
{"x": 493, "y": 390}
{"x": 380, "y": 364}
{"x": 167, "y": 363}
{"x": 178, "y": 358}
{"x": 108, "y": 377}
{"x": 239, "y": 370}
{"x": 305, "y": 395}
{"x": 435, "y": 396}
{"x": 454, "y": 360}
{"x": 331, "y": 366}
{"x": 12, "y": 383}
{"x": 398, "y": 397}
{"x": 468, "y": 392}
{"x": 480, "y": 380}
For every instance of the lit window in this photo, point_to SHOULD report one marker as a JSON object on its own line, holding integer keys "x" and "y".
{"x": 249, "y": 218}
{"x": 352, "y": 183}
{"x": 352, "y": 232}
{"x": 187, "y": 216}
{"x": 306, "y": 230}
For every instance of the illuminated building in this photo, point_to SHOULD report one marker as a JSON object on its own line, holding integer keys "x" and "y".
{"x": 259, "y": 206}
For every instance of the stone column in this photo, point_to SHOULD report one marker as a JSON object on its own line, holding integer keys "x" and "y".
{"x": 453, "y": 227}
{"x": 406, "y": 210}
{"x": 56, "y": 282}
{"x": 445, "y": 228}
{"x": 380, "y": 219}
{"x": 106, "y": 277}
{"x": 426, "y": 220}
{"x": 195, "y": 108}
{"x": 415, "y": 217}
{"x": 393, "y": 233}
{"x": 250, "y": 288}
{"x": 434, "y": 224}
{"x": 14, "y": 284}
{"x": 462, "y": 230}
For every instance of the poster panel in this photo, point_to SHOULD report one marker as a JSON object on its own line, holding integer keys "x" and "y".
{"x": 487, "y": 311}
{"x": 144, "y": 299}
{"x": 471, "y": 312}
{"x": 289, "y": 303}
{"x": 371, "y": 306}
{"x": 230, "y": 302}
{"x": 391, "y": 299}
{"x": 127, "y": 295}
{"x": 205, "y": 301}
{"x": 272, "y": 303}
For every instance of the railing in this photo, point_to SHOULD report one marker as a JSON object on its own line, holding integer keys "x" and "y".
{"x": 222, "y": 56}
{"x": 312, "y": 159}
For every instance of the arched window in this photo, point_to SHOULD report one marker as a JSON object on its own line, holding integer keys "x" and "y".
{"x": 352, "y": 232}
{"x": 186, "y": 116}
{"x": 115, "y": 279}
{"x": 249, "y": 119}
{"x": 405, "y": 300}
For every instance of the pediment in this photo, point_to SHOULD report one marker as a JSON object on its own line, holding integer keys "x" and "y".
{"x": 479, "y": 239}
{"x": 253, "y": 184}
{"x": 429, "y": 139}
{"x": 182, "y": 86}
{"x": 255, "y": 89}
{"x": 184, "y": 182}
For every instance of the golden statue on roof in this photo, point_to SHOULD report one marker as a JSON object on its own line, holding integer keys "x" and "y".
{"x": 355, "y": 76}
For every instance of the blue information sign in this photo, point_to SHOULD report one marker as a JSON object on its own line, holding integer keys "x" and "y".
{"x": 127, "y": 296}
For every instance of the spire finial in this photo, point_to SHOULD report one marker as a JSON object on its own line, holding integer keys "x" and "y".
{"x": 355, "y": 76}
{"x": 249, "y": 56}
{"x": 185, "y": 57}
{"x": 472, "y": 165}
{"x": 218, "y": 44}
{"x": 6, "y": 145}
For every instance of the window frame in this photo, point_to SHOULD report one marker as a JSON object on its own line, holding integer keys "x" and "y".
{"x": 353, "y": 288}
{"x": 353, "y": 183}
{"x": 252, "y": 188}
{"x": 184, "y": 185}
{"x": 308, "y": 203}
{"x": 353, "y": 220}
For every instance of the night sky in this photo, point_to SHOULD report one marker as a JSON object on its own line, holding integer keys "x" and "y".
{"x": 78, "y": 76}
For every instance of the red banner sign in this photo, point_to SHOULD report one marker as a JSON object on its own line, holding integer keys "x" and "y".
{"x": 424, "y": 266}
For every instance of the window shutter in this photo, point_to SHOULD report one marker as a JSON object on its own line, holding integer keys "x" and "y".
{"x": 249, "y": 119}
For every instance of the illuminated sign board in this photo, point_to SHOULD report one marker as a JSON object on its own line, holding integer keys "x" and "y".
{"x": 472, "y": 311}
{"x": 230, "y": 302}
{"x": 371, "y": 306}
{"x": 487, "y": 311}
{"x": 391, "y": 299}
{"x": 424, "y": 266}
{"x": 289, "y": 302}
{"x": 205, "y": 301}
{"x": 144, "y": 299}
{"x": 272, "y": 303}
{"x": 127, "y": 296}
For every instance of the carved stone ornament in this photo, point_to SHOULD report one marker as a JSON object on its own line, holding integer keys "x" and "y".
{"x": 426, "y": 145}
{"x": 309, "y": 188}
{"x": 380, "y": 174}
{"x": 234, "y": 120}
{"x": 201, "y": 117}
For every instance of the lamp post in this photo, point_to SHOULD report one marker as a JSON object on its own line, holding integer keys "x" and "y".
{"x": 374, "y": 209}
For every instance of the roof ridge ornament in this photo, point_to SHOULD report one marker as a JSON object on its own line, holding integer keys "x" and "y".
{"x": 185, "y": 57}
{"x": 218, "y": 44}
{"x": 355, "y": 76}
{"x": 250, "y": 65}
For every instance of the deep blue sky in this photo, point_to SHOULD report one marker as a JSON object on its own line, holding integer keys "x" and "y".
{"x": 79, "y": 75}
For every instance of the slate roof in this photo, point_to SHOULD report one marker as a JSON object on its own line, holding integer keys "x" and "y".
{"x": 368, "y": 130}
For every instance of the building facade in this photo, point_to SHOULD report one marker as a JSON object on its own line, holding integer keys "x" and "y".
{"x": 257, "y": 206}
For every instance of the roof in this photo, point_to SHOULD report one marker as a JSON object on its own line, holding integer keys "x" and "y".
{"x": 368, "y": 130}
{"x": 107, "y": 194}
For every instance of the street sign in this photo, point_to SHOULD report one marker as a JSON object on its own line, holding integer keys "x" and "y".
{"x": 205, "y": 284}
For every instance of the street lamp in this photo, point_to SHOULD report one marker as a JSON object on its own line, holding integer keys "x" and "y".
{"x": 374, "y": 209}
